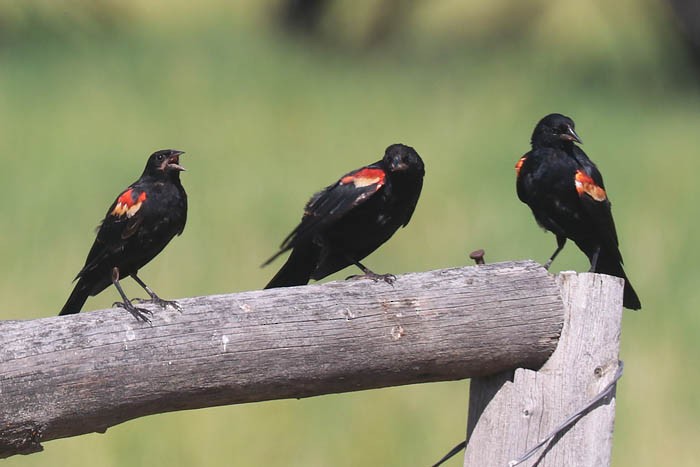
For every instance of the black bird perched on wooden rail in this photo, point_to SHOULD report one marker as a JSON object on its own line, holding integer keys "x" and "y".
{"x": 565, "y": 191}
{"x": 348, "y": 220}
{"x": 138, "y": 225}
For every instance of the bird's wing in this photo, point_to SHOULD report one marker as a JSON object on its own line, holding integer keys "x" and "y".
{"x": 125, "y": 215}
{"x": 333, "y": 202}
{"x": 591, "y": 191}
{"x": 123, "y": 219}
{"x": 522, "y": 193}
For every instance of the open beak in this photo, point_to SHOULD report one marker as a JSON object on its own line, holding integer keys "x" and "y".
{"x": 571, "y": 135}
{"x": 174, "y": 161}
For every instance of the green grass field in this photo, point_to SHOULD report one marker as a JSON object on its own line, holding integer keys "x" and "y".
{"x": 266, "y": 122}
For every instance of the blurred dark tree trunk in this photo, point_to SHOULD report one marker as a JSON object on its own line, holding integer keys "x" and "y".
{"x": 687, "y": 14}
{"x": 313, "y": 20}
{"x": 302, "y": 17}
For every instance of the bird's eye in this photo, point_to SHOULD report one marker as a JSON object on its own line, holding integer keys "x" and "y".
{"x": 160, "y": 157}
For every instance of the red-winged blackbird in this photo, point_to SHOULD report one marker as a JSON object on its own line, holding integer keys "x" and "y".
{"x": 348, "y": 220}
{"x": 138, "y": 225}
{"x": 566, "y": 193}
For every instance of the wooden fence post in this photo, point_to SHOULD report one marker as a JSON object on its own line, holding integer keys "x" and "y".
{"x": 511, "y": 411}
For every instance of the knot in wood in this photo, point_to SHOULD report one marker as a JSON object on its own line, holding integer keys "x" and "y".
{"x": 397, "y": 332}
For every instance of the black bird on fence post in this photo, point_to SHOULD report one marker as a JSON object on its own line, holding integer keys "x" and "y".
{"x": 348, "y": 220}
{"x": 566, "y": 194}
{"x": 138, "y": 225}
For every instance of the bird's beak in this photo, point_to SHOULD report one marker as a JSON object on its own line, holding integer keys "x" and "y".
{"x": 571, "y": 135}
{"x": 398, "y": 165}
{"x": 174, "y": 161}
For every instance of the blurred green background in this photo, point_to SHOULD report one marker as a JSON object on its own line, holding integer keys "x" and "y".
{"x": 270, "y": 109}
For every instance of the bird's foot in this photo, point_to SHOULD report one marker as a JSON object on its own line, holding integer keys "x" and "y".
{"x": 388, "y": 278}
{"x": 138, "y": 313}
{"x": 547, "y": 264}
{"x": 156, "y": 300}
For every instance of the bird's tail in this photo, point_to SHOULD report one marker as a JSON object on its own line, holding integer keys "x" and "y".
{"x": 298, "y": 268}
{"x": 76, "y": 300}
{"x": 610, "y": 264}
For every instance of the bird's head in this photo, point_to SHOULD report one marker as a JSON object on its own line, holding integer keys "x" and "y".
{"x": 402, "y": 158}
{"x": 555, "y": 131}
{"x": 164, "y": 162}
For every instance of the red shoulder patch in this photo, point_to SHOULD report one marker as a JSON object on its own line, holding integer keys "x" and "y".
{"x": 585, "y": 184}
{"x": 127, "y": 205}
{"x": 519, "y": 164}
{"x": 365, "y": 177}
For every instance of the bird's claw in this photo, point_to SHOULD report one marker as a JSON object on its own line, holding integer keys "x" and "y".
{"x": 388, "y": 278}
{"x": 547, "y": 265}
{"x": 160, "y": 302}
{"x": 138, "y": 313}
{"x": 168, "y": 303}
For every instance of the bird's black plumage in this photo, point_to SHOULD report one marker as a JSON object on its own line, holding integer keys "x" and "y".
{"x": 138, "y": 225}
{"x": 566, "y": 194}
{"x": 348, "y": 220}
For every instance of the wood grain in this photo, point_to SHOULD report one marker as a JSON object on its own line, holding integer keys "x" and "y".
{"x": 65, "y": 376}
{"x": 510, "y": 412}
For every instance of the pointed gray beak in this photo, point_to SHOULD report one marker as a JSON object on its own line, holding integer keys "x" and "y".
{"x": 571, "y": 135}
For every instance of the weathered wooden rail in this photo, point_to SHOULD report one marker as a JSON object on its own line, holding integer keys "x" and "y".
{"x": 67, "y": 376}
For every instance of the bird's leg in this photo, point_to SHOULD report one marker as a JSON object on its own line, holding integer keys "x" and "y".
{"x": 154, "y": 298}
{"x": 368, "y": 274}
{"x": 594, "y": 259}
{"x": 138, "y": 313}
{"x": 561, "y": 241}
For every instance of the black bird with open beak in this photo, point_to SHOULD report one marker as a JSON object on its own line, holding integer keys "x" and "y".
{"x": 138, "y": 225}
